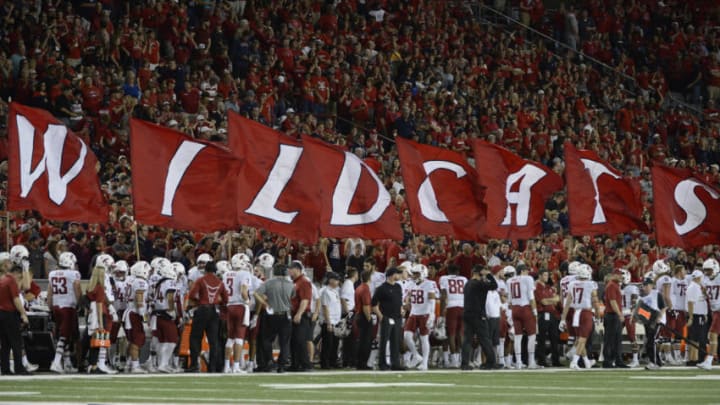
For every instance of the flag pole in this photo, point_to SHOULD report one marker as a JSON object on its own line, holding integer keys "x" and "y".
{"x": 137, "y": 243}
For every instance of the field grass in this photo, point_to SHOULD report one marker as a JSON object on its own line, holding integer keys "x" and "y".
{"x": 554, "y": 386}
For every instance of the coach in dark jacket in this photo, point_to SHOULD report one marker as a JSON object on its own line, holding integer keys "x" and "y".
{"x": 475, "y": 318}
{"x": 387, "y": 305}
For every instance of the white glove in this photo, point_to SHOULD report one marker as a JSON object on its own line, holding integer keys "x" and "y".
{"x": 253, "y": 321}
{"x": 440, "y": 322}
{"x": 431, "y": 322}
{"x": 534, "y": 311}
{"x": 511, "y": 332}
{"x": 563, "y": 326}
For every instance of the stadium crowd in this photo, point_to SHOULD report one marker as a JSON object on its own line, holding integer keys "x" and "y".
{"x": 358, "y": 74}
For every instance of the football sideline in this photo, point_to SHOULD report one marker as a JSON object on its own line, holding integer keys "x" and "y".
{"x": 671, "y": 385}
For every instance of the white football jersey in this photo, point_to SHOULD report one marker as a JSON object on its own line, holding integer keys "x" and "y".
{"x": 661, "y": 282}
{"x": 194, "y": 274}
{"x": 61, "y": 282}
{"x": 678, "y": 294}
{"x": 454, "y": 286}
{"x": 120, "y": 294}
{"x": 627, "y": 293}
{"x": 522, "y": 290}
{"x": 234, "y": 280}
{"x": 376, "y": 280}
{"x": 347, "y": 293}
{"x": 565, "y": 285}
{"x": 137, "y": 285}
{"x": 712, "y": 289}
{"x": 162, "y": 289}
{"x": 406, "y": 286}
{"x": 581, "y": 293}
{"x": 420, "y": 302}
{"x": 696, "y": 295}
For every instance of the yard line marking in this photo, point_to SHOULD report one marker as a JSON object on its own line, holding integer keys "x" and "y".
{"x": 306, "y": 386}
{"x": 19, "y": 393}
{"x": 663, "y": 377}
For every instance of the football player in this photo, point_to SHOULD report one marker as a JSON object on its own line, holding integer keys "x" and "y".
{"x": 421, "y": 298}
{"x": 711, "y": 268}
{"x": 678, "y": 314}
{"x": 199, "y": 269}
{"x": 120, "y": 286}
{"x": 571, "y": 275}
{"x": 237, "y": 282}
{"x": 630, "y": 294}
{"x": 63, "y": 293}
{"x": 524, "y": 314}
{"x": 582, "y": 297}
{"x": 663, "y": 282}
{"x": 452, "y": 301}
{"x": 165, "y": 311}
{"x": 135, "y": 314}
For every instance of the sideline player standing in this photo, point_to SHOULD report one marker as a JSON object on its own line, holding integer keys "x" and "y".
{"x": 421, "y": 296}
{"x": 582, "y": 298}
{"x": 630, "y": 294}
{"x": 452, "y": 290}
{"x": 524, "y": 314}
{"x": 63, "y": 293}
{"x": 712, "y": 287}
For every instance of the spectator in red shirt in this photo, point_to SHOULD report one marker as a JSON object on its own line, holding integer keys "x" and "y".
{"x": 10, "y": 322}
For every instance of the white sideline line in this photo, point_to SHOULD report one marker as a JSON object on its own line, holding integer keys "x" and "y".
{"x": 321, "y": 386}
{"x": 50, "y": 376}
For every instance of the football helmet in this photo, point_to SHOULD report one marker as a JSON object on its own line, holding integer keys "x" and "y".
{"x": 179, "y": 269}
{"x": 223, "y": 267}
{"x": 625, "y": 276}
{"x": 141, "y": 270}
{"x": 584, "y": 272}
{"x": 19, "y": 254}
{"x": 712, "y": 264}
{"x": 660, "y": 267}
{"x": 106, "y": 261}
{"x": 67, "y": 260}
{"x": 266, "y": 261}
{"x": 237, "y": 260}
{"x": 406, "y": 265}
{"x": 166, "y": 270}
{"x": 419, "y": 269}
{"x": 203, "y": 259}
{"x": 158, "y": 263}
{"x": 121, "y": 266}
{"x": 509, "y": 271}
{"x": 343, "y": 328}
{"x": 573, "y": 267}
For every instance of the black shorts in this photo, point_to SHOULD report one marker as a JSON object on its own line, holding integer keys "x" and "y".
{"x": 698, "y": 330}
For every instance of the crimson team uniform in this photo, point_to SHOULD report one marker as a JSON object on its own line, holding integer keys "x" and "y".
{"x": 522, "y": 292}
{"x": 454, "y": 286}
{"x": 120, "y": 291}
{"x": 421, "y": 306}
{"x": 712, "y": 290}
{"x": 628, "y": 292}
{"x": 166, "y": 330}
{"x": 581, "y": 293}
{"x": 64, "y": 302}
{"x": 660, "y": 284}
{"x": 564, "y": 291}
{"x": 135, "y": 314}
{"x": 678, "y": 295}
{"x": 238, "y": 313}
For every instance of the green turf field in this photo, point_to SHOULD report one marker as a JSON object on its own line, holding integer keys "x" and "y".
{"x": 556, "y": 386}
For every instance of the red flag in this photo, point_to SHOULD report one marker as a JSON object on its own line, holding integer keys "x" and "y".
{"x": 353, "y": 200}
{"x": 442, "y": 191}
{"x": 276, "y": 191}
{"x": 516, "y": 191}
{"x": 600, "y": 199}
{"x": 51, "y": 170}
{"x": 687, "y": 210}
{"x": 179, "y": 182}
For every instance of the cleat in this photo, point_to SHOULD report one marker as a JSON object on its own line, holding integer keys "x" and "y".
{"x": 634, "y": 364}
{"x": 57, "y": 368}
